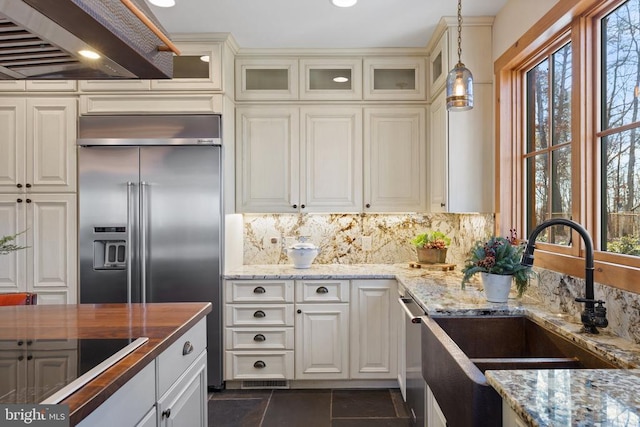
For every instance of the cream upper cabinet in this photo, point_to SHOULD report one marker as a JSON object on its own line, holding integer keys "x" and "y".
{"x": 306, "y": 160}
{"x": 460, "y": 154}
{"x": 48, "y": 264}
{"x": 39, "y": 139}
{"x": 373, "y": 326}
{"x": 262, "y": 79}
{"x": 198, "y": 67}
{"x": 331, "y": 79}
{"x": 38, "y": 85}
{"x": 439, "y": 65}
{"x": 399, "y": 78}
{"x": 395, "y": 159}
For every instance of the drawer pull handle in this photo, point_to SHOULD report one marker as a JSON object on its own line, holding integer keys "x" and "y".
{"x": 167, "y": 413}
{"x": 259, "y": 364}
{"x": 322, "y": 290}
{"x": 259, "y": 314}
{"x": 259, "y": 338}
{"x": 187, "y": 348}
{"x": 259, "y": 290}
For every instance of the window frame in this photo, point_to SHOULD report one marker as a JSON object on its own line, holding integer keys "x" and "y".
{"x": 576, "y": 21}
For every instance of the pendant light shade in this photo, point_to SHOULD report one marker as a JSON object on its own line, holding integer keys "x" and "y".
{"x": 459, "y": 79}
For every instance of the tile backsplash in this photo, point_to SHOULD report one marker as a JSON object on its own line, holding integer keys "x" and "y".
{"x": 339, "y": 236}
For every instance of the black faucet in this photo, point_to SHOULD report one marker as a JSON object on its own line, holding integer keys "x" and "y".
{"x": 592, "y": 317}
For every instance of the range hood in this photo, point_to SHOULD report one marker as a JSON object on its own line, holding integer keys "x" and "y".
{"x": 41, "y": 39}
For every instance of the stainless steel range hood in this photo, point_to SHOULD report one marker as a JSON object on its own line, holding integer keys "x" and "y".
{"x": 40, "y": 39}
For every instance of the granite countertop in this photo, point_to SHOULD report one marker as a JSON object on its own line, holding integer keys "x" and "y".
{"x": 162, "y": 323}
{"x": 540, "y": 397}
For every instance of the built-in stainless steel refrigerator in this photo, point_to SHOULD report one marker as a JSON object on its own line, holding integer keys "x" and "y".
{"x": 150, "y": 214}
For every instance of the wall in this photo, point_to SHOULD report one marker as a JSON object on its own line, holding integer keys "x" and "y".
{"x": 514, "y": 19}
{"x": 339, "y": 236}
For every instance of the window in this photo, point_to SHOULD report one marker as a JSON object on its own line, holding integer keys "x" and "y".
{"x": 548, "y": 143}
{"x": 568, "y": 128}
{"x": 620, "y": 130}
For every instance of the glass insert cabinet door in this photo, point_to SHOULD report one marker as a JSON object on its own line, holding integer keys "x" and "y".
{"x": 331, "y": 78}
{"x": 197, "y": 67}
{"x": 395, "y": 78}
{"x": 263, "y": 78}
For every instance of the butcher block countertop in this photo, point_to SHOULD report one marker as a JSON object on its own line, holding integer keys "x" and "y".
{"x": 162, "y": 323}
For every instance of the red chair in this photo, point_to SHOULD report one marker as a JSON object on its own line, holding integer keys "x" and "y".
{"x": 19, "y": 298}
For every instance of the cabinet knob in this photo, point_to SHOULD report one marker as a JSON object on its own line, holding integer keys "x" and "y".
{"x": 187, "y": 348}
{"x": 19, "y": 200}
{"x": 28, "y": 200}
{"x": 259, "y": 338}
{"x": 167, "y": 413}
{"x": 19, "y": 185}
{"x": 322, "y": 290}
{"x": 259, "y": 290}
{"x": 259, "y": 314}
{"x": 295, "y": 206}
{"x": 20, "y": 342}
{"x": 302, "y": 206}
{"x": 259, "y": 364}
{"x": 28, "y": 185}
{"x": 368, "y": 205}
{"x": 442, "y": 205}
{"x": 298, "y": 311}
{"x": 21, "y": 358}
{"x": 29, "y": 357}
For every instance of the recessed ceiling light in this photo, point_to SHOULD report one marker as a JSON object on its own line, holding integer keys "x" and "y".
{"x": 340, "y": 79}
{"x": 163, "y": 3}
{"x": 89, "y": 54}
{"x": 204, "y": 58}
{"x": 344, "y": 3}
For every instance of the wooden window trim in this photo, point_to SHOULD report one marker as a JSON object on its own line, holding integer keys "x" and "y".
{"x": 577, "y": 16}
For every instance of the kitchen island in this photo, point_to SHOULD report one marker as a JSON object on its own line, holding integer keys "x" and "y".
{"x": 162, "y": 323}
{"x": 524, "y": 393}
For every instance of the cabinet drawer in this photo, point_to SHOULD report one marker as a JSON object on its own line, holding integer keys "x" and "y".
{"x": 241, "y": 365}
{"x": 259, "y": 338}
{"x": 172, "y": 362}
{"x": 259, "y": 315}
{"x": 322, "y": 291}
{"x": 259, "y": 291}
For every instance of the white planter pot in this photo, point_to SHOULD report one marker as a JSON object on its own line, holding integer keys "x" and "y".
{"x": 496, "y": 286}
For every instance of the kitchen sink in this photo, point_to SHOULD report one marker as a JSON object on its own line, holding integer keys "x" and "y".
{"x": 456, "y": 350}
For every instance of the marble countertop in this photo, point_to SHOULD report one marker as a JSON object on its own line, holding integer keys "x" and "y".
{"x": 535, "y": 395}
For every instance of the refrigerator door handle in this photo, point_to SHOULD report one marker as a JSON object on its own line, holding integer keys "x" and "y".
{"x": 129, "y": 241}
{"x": 143, "y": 241}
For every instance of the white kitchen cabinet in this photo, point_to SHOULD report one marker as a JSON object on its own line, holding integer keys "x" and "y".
{"x": 461, "y": 155}
{"x": 394, "y": 78}
{"x": 39, "y": 137}
{"x": 374, "y": 352}
{"x": 395, "y": 175}
{"x": 322, "y": 329}
{"x": 185, "y": 404}
{"x": 299, "y": 160}
{"x": 48, "y": 265}
{"x": 266, "y": 79}
{"x": 331, "y": 79}
{"x": 38, "y": 85}
{"x": 461, "y": 149}
{"x": 435, "y": 417}
{"x": 259, "y": 333}
{"x": 198, "y": 68}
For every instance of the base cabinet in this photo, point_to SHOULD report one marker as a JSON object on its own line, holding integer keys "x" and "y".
{"x": 435, "y": 417}
{"x": 169, "y": 391}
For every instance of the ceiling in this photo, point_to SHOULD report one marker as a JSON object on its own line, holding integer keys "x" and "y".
{"x": 317, "y": 23}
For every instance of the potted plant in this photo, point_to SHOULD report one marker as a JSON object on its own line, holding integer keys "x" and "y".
{"x": 431, "y": 247}
{"x": 498, "y": 262}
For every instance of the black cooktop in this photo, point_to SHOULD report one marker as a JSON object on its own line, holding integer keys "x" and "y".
{"x": 37, "y": 370}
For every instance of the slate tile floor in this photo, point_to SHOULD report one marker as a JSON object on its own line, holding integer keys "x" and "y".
{"x": 308, "y": 408}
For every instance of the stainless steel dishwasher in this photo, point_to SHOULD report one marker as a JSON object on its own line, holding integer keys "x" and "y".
{"x": 415, "y": 383}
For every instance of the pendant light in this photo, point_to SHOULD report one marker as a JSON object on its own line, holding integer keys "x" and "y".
{"x": 459, "y": 79}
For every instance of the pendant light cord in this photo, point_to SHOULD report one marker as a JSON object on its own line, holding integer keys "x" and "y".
{"x": 459, "y": 31}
